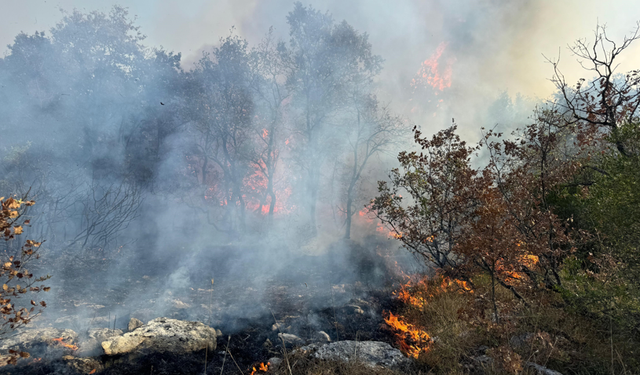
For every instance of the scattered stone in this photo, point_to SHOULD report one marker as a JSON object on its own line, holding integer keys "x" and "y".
{"x": 91, "y": 345}
{"x": 355, "y": 309}
{"x": 133, "y": 324}
{"x": 163, "y": 335}
{"x": 541, "y": 370}
{"x": 218, "y": 333}
{"x": 29, "y": 338}
{"x": 83, "y": 365}
{"x": 275, "y": 362}
{"x": 370, "y": 353}
{"x": 290, "y": 339}
{"x": 321, "y": 337}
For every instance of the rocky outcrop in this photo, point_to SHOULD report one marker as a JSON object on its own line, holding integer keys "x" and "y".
{"x": 90, "y": 345}
{"x": 134, "y": 324}
{"x": 370, "y": 353}
{"x": 29, "y": 338}
{"x": 163, "y": 335}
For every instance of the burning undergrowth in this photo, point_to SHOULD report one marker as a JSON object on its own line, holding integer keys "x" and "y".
{"x": 259, "y": 313}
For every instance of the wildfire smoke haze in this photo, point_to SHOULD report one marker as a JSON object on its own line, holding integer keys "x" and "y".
{"x": 165, "y": 145}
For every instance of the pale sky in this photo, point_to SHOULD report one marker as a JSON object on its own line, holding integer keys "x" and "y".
{"x": 493, "y": 45}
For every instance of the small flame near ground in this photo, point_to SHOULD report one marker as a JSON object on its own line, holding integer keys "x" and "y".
{"x": 68, "y": 346}
{"x": 261, "y": 368}
{"x": 412, "y": 339}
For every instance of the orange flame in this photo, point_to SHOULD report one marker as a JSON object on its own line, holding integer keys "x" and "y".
{"x": 262, "y": 367}
{"x": 431, "y": 72}
{"x": 68, "y": 346}
{"x": 515, "y": 276}
{"x": 412, "y": 340}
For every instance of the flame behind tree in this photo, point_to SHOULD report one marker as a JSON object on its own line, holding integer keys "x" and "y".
{"x": 375, "y": 130}
{"x": 433, "y": 72}
{"x": 221, "y": 110}
{"x": 270, "y": 65}
{"x": 330, "y": 62}
{"x": 16, "y": 279}
{"x": 439, "y": 182}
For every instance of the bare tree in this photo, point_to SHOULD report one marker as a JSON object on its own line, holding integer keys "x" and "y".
{"x": 104, "y": 212}
{"x": 376, "y": 130}
{"x": 610, "y": 99}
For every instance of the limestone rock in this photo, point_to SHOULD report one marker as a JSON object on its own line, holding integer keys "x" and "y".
{"x": 290, "y": 339}
{"x": 133, "y": 324}
{"x": 370, "y": 353}
{"x": 163, "y": 335}
{"x": 90, "y": 345}
{"x": 31, "y": 337}
{"x": 122, "y": 344}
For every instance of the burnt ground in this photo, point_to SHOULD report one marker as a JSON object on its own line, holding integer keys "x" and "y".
{"x": 307, "y": 295}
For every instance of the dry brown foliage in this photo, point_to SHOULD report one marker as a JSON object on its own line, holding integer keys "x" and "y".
{"x": 17, "y": 281}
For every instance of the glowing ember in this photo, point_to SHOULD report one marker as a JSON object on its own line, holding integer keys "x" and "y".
{"x": 68, "y": 346}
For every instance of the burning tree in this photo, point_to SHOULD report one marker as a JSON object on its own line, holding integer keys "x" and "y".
{"x": 270, "y": 65}
{"x": 221, "y": 110}
{"x": 495, "y": 220}
{"x": 16, "y": 278}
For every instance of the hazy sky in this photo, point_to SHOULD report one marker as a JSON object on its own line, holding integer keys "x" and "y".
{"x": 491, "y": 45}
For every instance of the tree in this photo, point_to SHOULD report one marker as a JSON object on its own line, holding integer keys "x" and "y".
{"x": 221, "y": 108}
{"x": 609, "y": 100}
{"x": 494, "y": 220}
{"x": 375, "y": 131}
{"x": 439, "y": 197}
{"x": 326, "y": 59}
{"x": 271, "y": 65}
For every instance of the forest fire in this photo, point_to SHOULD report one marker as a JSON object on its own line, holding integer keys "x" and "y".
{"x": 60, "y": 341}
{"x": 433, "y": 73}
{"x": 262, "y": 368}
{"x": 412, "y": 340}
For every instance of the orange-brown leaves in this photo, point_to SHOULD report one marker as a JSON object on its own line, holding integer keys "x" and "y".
{"x": 438, "y": 183}
{"x": 16, "y": 280}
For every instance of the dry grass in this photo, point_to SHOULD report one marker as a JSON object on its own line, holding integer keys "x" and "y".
{"x": 546, "y": 333}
